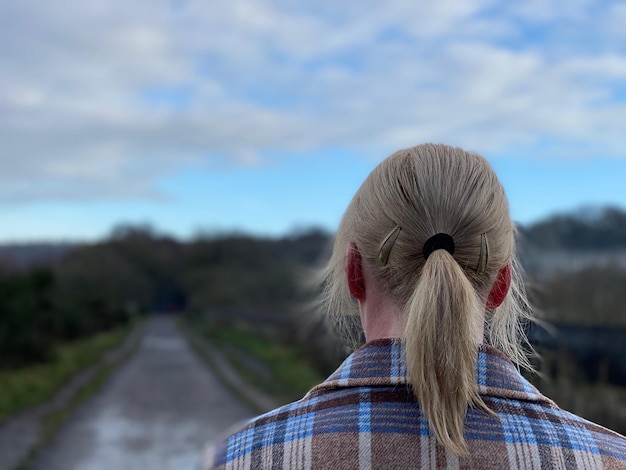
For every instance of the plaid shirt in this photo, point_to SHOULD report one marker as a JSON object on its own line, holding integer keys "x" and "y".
{"x": 364, "y": 416}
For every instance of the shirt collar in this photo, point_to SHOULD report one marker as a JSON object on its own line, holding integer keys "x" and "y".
{"x": 381, "y": 363}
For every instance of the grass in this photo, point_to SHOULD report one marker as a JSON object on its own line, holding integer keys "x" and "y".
{"x": 292, "y": 374}
{"x": 32, "y": 385}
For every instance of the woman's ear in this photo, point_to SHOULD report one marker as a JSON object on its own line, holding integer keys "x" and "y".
{"x": 354, "y": 272}
{"x": 500, "y": 288}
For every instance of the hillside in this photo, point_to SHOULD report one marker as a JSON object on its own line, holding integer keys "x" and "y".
{"x": 565, "y": 243}
{"x": 22, "y": 256}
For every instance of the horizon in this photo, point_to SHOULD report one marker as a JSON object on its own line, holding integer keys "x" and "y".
{"x": 265, "y": 117}
{"x": 293, "y": 232}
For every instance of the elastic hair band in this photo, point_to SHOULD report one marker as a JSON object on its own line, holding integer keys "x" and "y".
{"x": 387, "y": 244}
{"x": 441, "y": 241}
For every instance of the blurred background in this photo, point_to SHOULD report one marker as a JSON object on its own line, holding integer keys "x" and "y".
{"x": 194, "y": 158}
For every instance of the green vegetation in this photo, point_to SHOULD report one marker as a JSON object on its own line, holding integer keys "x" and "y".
{"x": 35, "y": 384}
{"x": 26, "y": 321}
{"x": 291, "y": 373}
{"x": 42, "y": 309}
{"x": 95, "y": 287}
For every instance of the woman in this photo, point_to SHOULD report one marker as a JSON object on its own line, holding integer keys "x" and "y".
{"x": 425, "y": 255}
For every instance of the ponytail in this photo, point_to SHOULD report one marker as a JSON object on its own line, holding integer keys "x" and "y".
{"x": 443, "y": 316}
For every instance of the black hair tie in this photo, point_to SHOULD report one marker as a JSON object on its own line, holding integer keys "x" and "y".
{"x": 438, "y": 242}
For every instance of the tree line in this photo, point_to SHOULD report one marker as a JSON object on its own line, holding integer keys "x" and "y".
{"x": 89, "y": 288}
{"x": 134, "y": 271}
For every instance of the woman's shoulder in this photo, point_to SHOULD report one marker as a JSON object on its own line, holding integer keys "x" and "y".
{"x": 236, "y": 441}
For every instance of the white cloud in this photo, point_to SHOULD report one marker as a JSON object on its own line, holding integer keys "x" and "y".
{"x": 103, "y": 98}
{"x": 615, "y": 19}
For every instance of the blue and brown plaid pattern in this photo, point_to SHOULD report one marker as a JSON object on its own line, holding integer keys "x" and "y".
{"x": 364, "y": 416}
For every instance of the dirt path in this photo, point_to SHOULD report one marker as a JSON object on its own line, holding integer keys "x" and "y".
{"x": 157, "y": 411}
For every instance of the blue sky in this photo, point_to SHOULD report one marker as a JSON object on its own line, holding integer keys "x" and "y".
{"x": 265, "y": 116}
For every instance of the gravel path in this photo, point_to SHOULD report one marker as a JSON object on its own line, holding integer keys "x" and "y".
{"x": 156, "y": 412}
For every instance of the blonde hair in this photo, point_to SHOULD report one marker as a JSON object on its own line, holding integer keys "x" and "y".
{"x": 411, "y": 196}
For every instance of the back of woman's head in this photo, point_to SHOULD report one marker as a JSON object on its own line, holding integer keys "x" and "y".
{"x": 410, "y": 197}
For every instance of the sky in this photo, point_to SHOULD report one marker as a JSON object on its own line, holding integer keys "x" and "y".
{"x": 265, "y": 116}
